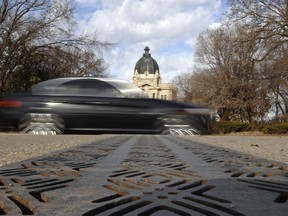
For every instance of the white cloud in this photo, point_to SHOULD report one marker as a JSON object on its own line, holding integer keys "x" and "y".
{"x": 134, "y": 24}
{"x": 214, "y": 25}
{"x": 86, "y": 2}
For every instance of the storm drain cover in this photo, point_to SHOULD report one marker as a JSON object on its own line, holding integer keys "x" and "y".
{"x": 145, "y": 175}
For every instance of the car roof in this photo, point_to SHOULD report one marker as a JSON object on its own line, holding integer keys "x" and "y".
{"x": 59, "y": 81}
{"x": 125, "y": 87}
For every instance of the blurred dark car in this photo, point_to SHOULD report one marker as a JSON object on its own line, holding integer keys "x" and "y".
{"x": 98, "y": 105}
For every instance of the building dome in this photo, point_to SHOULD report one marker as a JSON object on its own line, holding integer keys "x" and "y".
{"x": 146, "y": 64}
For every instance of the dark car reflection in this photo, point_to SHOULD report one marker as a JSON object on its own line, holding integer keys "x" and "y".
{"x": 98, "y": 105}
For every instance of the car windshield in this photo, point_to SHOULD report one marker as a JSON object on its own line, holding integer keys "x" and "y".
{"x": 128, "y": 89}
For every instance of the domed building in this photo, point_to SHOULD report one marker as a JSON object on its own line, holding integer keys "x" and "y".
{"x": 147, "y": 77}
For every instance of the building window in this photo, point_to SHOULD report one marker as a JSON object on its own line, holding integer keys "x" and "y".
{"x": 153, "y": 96}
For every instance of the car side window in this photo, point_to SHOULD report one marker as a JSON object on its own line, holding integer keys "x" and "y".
{"x": 87, "y": 88}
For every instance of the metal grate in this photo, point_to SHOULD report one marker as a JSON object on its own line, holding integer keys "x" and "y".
{"x": 144, "y": 175}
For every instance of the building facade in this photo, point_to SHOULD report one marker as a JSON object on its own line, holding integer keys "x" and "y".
{"x": 147, "y": 77}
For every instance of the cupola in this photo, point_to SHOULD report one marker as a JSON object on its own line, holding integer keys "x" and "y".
{"x": 146, "y": 64}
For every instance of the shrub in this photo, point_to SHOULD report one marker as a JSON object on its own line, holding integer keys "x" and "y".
{"x": 276, "y": 128}
{"x": 229, "y": 127}
{"x": 266, "y": 128}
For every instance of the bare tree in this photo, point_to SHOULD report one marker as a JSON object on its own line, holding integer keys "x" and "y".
{"x": 268, "y": 17}
{"x": 276, "y": 74}
{"x": 268, "y": 21}
{"x": 246, "y": 62}
{"x": 184, "y": 86}
{"x": 37, "y": 38}
{"x": 233, "y": 85}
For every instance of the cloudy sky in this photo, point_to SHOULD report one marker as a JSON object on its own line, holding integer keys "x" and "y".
{"x": 168, "y": 27}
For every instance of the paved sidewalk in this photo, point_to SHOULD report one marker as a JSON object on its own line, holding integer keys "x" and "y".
{"x": 268, "y": 147}
{"x": 18, "y": 147}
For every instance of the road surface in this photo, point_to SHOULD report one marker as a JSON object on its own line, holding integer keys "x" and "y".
{"x": 144, "y": 175}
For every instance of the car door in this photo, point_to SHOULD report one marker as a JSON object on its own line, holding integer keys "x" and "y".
{"x": 96, "y": 105}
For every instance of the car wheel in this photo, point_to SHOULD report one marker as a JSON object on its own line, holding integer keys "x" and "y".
{"x": 175, "y": 126}
{"x": 41, "y": 124}
{"x": 180, "y": 132}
